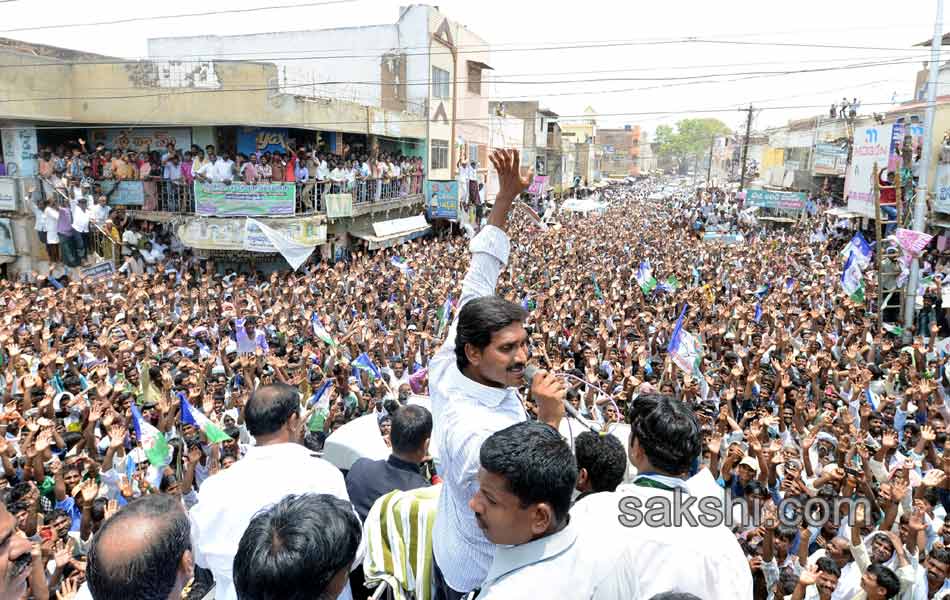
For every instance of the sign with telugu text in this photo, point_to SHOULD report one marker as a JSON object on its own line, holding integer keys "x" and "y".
{"x": 774, "y": 199}
{"x": 537, "y": 185}
{"x": 99, "y": 270}
{"x": 442, "y": 199}
{"x": 872, "y": 145}
{"x": 229, "y": 234}
{"x": 141, "y": 139}
{"x": 8, "y": 193}
{"x": 942, "y": 200}
{"x": 244, "y": 200}
{"x": 831, "y": 159}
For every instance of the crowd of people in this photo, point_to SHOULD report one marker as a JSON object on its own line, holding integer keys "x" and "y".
{"x": 163, "y": 426}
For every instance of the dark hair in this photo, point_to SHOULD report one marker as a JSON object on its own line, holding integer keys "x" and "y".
{"x": 270, "y": 407}
{"x": 941, "y": 555}
{"x": 535, "y": 461}
{"x": 151, "y": 572}
{"x": 604, "y": 457}
{"x": 479, "y": 320}
{"x": 886, "y": 579}
{"x": 667, "y": 431}
{"x": 828, "y": 566}
{"x": 411, "y": 426}
{"x": 786, "y": 532}
{"x": 292, "y": 550}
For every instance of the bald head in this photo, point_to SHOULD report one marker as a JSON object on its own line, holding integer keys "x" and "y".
{"x": 144, "y": 551}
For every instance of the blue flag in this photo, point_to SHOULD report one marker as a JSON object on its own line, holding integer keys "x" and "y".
{"x": 363, "y": 363}
{"x": 758, "y": 312}
{"x": 318, "y": 395}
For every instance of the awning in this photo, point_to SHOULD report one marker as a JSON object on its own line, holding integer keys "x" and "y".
{"x": 386, "y": 234}
{"x": 843, "y": 213}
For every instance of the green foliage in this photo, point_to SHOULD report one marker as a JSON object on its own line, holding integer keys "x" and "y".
{"x": 691, "y": 138}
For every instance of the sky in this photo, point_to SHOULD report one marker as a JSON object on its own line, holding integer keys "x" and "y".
{"x": 657, "y": 62}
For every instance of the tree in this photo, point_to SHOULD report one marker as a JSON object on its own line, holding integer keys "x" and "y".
{"x": 691, "y": 139}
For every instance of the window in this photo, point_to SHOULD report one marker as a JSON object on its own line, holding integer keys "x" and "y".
{"x": 474, "y": 78}
{"x": 440, "y": 154}
{"x": 440, "y": 83}
{"x": 473, "y": 154}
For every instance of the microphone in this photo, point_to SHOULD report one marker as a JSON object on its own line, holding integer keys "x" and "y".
{"x": 529, "y": 373}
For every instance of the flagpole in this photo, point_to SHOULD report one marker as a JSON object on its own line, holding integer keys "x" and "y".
{"x": 920, "y": 202}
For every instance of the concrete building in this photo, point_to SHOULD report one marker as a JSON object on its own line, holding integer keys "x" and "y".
{"x": 55, "y": 95}
{"x": 621, "y": 151}
{"x": 379, "y": 66}
{"x": 504, "y": 132}
{"x": 537, "y": 127}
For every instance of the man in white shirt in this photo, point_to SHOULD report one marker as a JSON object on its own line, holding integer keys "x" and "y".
{"x": 686, "y": 556}
{"x": 525, "y": 485}
{"x": 81, "y": 214}
{"x": 277, "y": 464}
{"x": 471, "y": 380}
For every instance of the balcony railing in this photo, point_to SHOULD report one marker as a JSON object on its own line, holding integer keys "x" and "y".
{"x": 178, "y": 197}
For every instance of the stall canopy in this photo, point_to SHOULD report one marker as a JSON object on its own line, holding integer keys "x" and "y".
{"x": 391, "y": 233}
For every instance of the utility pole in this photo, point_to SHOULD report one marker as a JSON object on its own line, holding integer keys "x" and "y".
{"x": 712, "y": 141}
{"x": 745, "y": 148}
{"x": 926, "y": 159}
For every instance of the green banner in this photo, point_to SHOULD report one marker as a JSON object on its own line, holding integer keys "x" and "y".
{"x": 245, "y": 200}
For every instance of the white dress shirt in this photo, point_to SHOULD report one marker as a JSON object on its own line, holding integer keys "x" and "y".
{"x": 705, "y": 561}
{"x": 563, "y": 565}
{"x": 228, "y": 501}
{"x": 465, "y": 414}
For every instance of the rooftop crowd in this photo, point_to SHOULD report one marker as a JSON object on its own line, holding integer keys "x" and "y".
{"x": 163, "y": 428}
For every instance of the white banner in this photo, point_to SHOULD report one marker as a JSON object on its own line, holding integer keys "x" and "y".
{"x": 258, "y": 237}
{"x": 872, "y": 145}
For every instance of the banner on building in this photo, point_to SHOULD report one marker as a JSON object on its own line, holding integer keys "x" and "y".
{"x": 726, "y": 238}
{"x": 339, "y": 205}
{"x": 831, "y": 159}
{"x": 19, "y": 151}
{"x": 7, "y": 246}
{"x": 142, "y": 139}
{"x": 773, "y": 199}
{"x": 129, "y": 193}
{"x": 251, "y": 140}
{"x": 245, "y": 200}
{"x": 442, "y": 199}
{"x": 261, "y": 237}
{"x": 872, "y": 146}
{"x": 942, "y": 202}
{"x": 8, "y": 193}
{"x": 229, "y": 234}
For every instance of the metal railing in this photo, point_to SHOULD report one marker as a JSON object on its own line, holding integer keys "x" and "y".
{"x": 178, "y": 197}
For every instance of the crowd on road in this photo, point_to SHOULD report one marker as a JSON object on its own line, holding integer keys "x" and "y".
{"x": 695, "y": 366}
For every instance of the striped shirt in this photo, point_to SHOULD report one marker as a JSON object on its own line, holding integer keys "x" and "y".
{"x": 465, "y": 413}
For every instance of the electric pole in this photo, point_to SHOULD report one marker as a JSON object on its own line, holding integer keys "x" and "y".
{"x": 745, "y": 148}
{"x": 712, "y": 141}
{"x": 926, "y": 159}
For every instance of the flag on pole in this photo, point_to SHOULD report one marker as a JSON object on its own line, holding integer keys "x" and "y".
{"x": 860, "y": 248}
{"x": 893, "y": 329}
{"x": 445, "y": 315}
{"x": 852, "y": 280}
{"x": 319, "y": 331}
{"x": 402, "y": 266}
{"x": 151, "y": 439}
{"x": 645, "y": 277}
{"x": 363, "y": 363}
{"x": 758, "y": 312}
{"x": 762, "y": 291}
{"x": 683, "y": 347}
{"x": 191, "y": 416}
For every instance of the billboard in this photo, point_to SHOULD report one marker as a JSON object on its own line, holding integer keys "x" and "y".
{"x": 772, "y": 199}
{"x": 141, "y": 139}
{"x": 872, "y": 146}
{"x": 831, "y": 159}
{"x": 243, "y": 200}
{"x": 442, "y": 199}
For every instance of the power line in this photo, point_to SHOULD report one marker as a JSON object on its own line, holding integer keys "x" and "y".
{"x": 179, "y": 16}
{"x": 459, "y": 120}
{"x": 180, "y": 91}
{"x": 459, "y": 51}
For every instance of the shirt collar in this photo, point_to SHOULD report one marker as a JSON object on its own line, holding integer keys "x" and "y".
{"x": 483, "y": 394}
{"x": 403, "y": 465}
{"x": 511, "y": 558}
